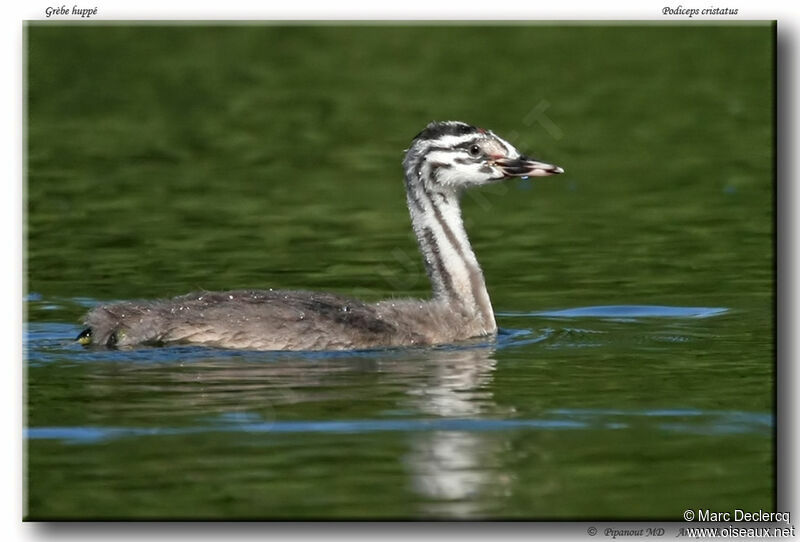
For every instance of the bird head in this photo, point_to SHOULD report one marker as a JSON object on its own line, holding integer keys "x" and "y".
{"x": 452, "y": 155}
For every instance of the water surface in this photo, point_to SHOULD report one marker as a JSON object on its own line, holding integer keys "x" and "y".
{"x": 634, "y": 373}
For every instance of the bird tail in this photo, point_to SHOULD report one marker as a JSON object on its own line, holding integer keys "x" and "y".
{"x": 121, "y": 324}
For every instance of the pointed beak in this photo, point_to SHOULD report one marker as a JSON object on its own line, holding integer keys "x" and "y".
{"x": 526, "y": 167}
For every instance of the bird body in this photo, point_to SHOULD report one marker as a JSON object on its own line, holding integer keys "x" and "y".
{"x": 280, "y": 320}
{"x": 443, "y": 160}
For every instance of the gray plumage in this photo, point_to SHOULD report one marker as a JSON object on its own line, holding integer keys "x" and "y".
{"x": 443, "y": 159}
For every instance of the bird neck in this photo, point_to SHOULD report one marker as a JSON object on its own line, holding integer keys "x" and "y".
{"x": 452, "y": 267}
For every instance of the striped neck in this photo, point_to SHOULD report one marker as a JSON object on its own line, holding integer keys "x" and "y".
{"x": 453, "y": 269}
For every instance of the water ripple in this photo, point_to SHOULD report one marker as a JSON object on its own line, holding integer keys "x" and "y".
{"x": 624, "y": 311}
{"x": 685, "y": 421}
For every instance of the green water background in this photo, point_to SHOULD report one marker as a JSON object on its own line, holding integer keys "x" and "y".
{"x": 163, "y": 159}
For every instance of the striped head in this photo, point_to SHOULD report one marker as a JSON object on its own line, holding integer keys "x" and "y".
{"x": 449, "y": 156}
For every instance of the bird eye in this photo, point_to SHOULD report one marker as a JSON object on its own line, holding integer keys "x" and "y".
{"x": 474, "y": 150}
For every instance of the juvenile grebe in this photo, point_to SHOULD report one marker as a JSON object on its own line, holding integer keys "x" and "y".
{"x": 443, "y": 160}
